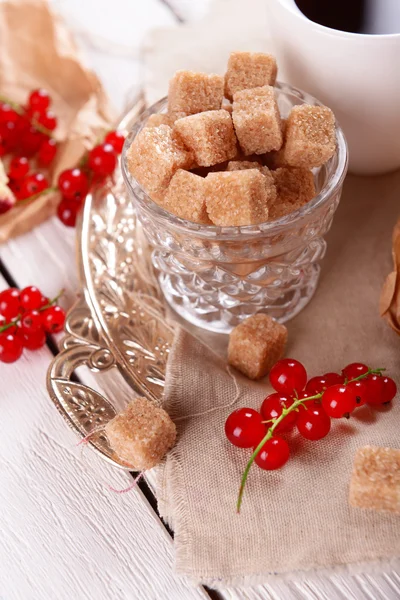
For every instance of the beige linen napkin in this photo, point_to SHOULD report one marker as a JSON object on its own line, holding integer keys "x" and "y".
{"x": 297, "y": 518}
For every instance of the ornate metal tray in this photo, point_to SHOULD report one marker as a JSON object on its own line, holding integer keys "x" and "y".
{"x": 119, "y": 321}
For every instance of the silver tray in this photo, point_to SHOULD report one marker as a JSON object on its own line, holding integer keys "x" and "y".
{"x": 119, "y": 320}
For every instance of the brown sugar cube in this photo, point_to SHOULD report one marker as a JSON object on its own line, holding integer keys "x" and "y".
{"x": 154, "y": 156}
{"x": 209, "y": 135}
{"x": 294, "y": 185}
{"x": 186, "y": 197}
{"x": 375, "y": 481}
{"x": 248, "y": 70}
{"x": 190, "y": 93}
{"x": 257, "y": 120}
{"x": 237, "y": 198}
{"x": 158, "y": 119}
{"x": 256, "y": 345}
{"x": 310, "y": 136}
{"x": 240, "y": 165}
{"x": 142, "y": 434}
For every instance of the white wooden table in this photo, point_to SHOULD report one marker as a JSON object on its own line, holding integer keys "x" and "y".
{"x": 63, "y": 533}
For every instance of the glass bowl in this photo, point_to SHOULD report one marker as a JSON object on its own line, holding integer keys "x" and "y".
{"x": 215, "y": 277}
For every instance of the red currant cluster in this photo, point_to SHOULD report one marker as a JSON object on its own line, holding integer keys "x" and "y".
{"x": 74, "y": 184}
{"x": 26, "y": 133}
{"x": 307, "y": 405}
{"x": 26, "y": 317}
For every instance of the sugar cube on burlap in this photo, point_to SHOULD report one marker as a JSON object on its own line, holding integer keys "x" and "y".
{"x": 142, "y": 434}
{"x": 209, "y": 135}
{"x": 248, "y": 70}
{"x": 186, "y": 197}
{"x": 310, "y": 139}
{"x": 154, "y": 156}
{"x": 237, "y": 197}
{"x": 190, "y": 93}
{"x": 257, "y": 120}
{"x": 375, "y": 481}
{"x": 256, "y": 345}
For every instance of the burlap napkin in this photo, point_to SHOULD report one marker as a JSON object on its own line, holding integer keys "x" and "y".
{"x": 297, "y": 518}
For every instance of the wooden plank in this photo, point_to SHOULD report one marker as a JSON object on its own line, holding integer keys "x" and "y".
{"x": 64, "y": 533}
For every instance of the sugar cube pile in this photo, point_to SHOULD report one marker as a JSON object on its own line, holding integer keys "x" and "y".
{"x": 223, "y": 155}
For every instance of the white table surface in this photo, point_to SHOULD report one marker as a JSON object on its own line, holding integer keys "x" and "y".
{"x": 63, "y": 534}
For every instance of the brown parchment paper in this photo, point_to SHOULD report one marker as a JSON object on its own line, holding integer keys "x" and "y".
{"x": 36, "y": 50}
{"x": 390, "y": 297}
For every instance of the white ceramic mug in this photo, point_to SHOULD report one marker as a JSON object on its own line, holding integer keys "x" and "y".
{"x": 357, "y": 75}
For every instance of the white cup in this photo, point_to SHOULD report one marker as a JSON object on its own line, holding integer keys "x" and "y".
{"x": 357, "y": 75}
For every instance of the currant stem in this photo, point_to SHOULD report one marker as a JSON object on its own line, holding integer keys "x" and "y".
{"x": 21, "y": 111}
{"x": 53, "y": 300}
{"x": 36, "y": 196}
{"x": 276, "y": 422}
{"x": 50, "y": 303}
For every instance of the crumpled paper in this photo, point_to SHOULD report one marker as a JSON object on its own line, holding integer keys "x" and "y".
{"x": 390, "y": 296}
{"x": 36, "y": 50}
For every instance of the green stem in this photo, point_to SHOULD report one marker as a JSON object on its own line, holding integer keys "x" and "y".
{"x": 21, "y": 111}
{"x": 276, "y": 422}
{"x": 36, "y": 196}
{"x": 41, "y": 309}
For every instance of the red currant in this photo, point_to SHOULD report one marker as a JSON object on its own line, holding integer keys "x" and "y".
{"x": 273, "y": 455}
{"x": 333, "y": 379}
{"x": 39, "y": 100}
{"x": 73, "y": 184}
{"x": 9, "y": 303}
{"x": 44, "y": 301}
{"x": 3, "y": 145}
{"x": 354, "y": 370}
{"x": 7, "y": 114}
{"x": 313, "y": 423}
{"x": 48, "y": 120}
{"x": 272, "y": 408}
{"x": 47, "y": 152}
{"x": 103, "y": 160}
{"x": 19, "y": 167}
{"x": 31, "y": 140}
{"x": 53, "y": 319}
{"x": 67, "y": 212}
{"x": 6, "y": 204}
{"x": 287, "y": 376}
{"x": 389, "y": 389}
{"x": 33, "y": 184}
{"x": 374, "y": 384}
{"x": 316, "y": 385}
{"x": 34, "y": 339}
{"x": 15, "y": 187}
{"x": 31, "y": 322}
{"x": 10, "y": 347}
{"x": 339, "y": 401}
{"x": 30, "y": 298}
{"x": 9, "y": 135}
{"x": 244, "y": 428}
{"x": 360, "y": 389}
{"x": 116, "y": 139}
